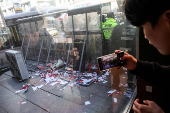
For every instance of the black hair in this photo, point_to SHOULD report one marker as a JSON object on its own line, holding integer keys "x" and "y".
{"x": 138, "y": 12}
{"x": 110, "y": 15}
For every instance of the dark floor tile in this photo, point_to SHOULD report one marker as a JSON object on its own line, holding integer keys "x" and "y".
{"x": 12, "y": 106}
{"x": 2, "y": 110}
{"x": 39, "y": 97}
{"x": 4, "y": 77}
{"x": 66, "y": 106}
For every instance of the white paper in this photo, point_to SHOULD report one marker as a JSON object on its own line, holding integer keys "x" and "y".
{"x": 87, "y": 103}
{"x": 23, "y": 90}
{"x": 23, "y": 102}
{"x": 105, "y": 82}
{"x": 63, "y": 82}
{"x": 54, "y": 83}
{"x": 71, "y": 85}
{"x": 85, "y": 81}
{"x": 49, "y": 79}
{"x": 100, "y": 79}
{"x": 112, "y": 91}
{"x": 66, "y": 75}
{"x": 37, "y": 74}
{"x": 115, "y": 100}
{"x": 40, "y": 86}
{"x": 55, "y": 72}
{"x": 34, "y": 88}
{"x": 107, "y": 73}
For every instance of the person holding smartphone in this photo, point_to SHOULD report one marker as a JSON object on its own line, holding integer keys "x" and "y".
{"x": 154, "y": 17}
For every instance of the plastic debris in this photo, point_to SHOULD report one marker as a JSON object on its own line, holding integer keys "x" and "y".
{"x": 49, "y": 64}
{"x": 63, "y": 82}
{"x": 105, "y": 82}
{"x": 49, "y": 78}
{"x": 41, "y": 67}
{"x": 87, "y": 103}
{"x": 37, "y": 73}
{"x": 115, "y": 100}
{"x": 23, "y": 89}
{"x": 111, "y": 92}
{"x": 21, "y": 102}
{"x": 35, "y": 88}
{"x": 107, "y": 72}
{"x": 54, "y": 83}
{"x": 71, "y": 84}
{"x": 63, "y": 88}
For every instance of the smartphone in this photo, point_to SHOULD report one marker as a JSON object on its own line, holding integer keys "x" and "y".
{"x": 110, "y": 61}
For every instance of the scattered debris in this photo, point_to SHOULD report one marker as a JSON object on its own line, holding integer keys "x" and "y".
{"x": 23, "y": 89}
{"x": 115, "y": 100}
{"x": 35, "y": 88}
{"x": 21, "y": 102}
{"x": 87, "y": 103}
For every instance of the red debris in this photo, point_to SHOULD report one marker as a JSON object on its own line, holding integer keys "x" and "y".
{"x": 111, "y": 94}
{"x": 41, "y": 67}
{"x": 49, "y": 64}
{"x": 80, "y": 80}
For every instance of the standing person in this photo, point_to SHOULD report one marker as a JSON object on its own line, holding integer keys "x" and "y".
{"x": 154, "y": 17}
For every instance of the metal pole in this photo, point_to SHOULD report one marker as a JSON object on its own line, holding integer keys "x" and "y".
{"x": 33, "y": 43}
{"x": 8, "y": 36}
{"x": 82, "y": 54}
{"x": 23, "y": 38}
{"x": 86, "y": 35}
{"x": 41, "y": 48}
{"x": 69, "y": 50}
{"x": 101, "y": 29}
{"x": 27, "y": 47}
{"x": 49, "y": 52}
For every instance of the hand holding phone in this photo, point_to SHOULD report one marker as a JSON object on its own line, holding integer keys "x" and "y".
{"x": 131, "y": 62}
{"x": 110, "y": 61}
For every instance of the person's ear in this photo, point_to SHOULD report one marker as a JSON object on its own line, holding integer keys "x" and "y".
{"x": 167, "y": 16}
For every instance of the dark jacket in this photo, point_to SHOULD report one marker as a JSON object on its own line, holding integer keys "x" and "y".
{"x": 158, "y": 75}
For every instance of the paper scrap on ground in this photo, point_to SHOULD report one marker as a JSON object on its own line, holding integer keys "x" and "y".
{"x": 87, "y": 103}
{"x": 37, "y": 73}
{"x": 23, "y": 89}
{"x": 21, "y": 102}
{"x": 115, "y": 100}
{"x": 63, "y": 82}
{"x": 107, "y": 73}
{"x": 71, "y": 84}
{"x": 112, "y": 91}
{"x": 54, "y": 83}
{"x": 35, "y": 88}
{"x": 105, "y": 82}
{"x": 48, "y": 78}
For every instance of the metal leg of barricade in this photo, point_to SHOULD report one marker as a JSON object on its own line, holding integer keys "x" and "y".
{"x": 33, "y": 43}
{"x": 27, "y": 47}
{"x": 69, "y": 50}
{"x": 23, "y": 38}
{"x": 82, "y": 54}
{"x": 40, "y": 48}
{"x": 48, "y": 53}
{"x": 8, "y": 37}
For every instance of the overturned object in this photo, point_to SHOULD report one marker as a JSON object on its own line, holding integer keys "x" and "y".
{"x": 57, "y": 65}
